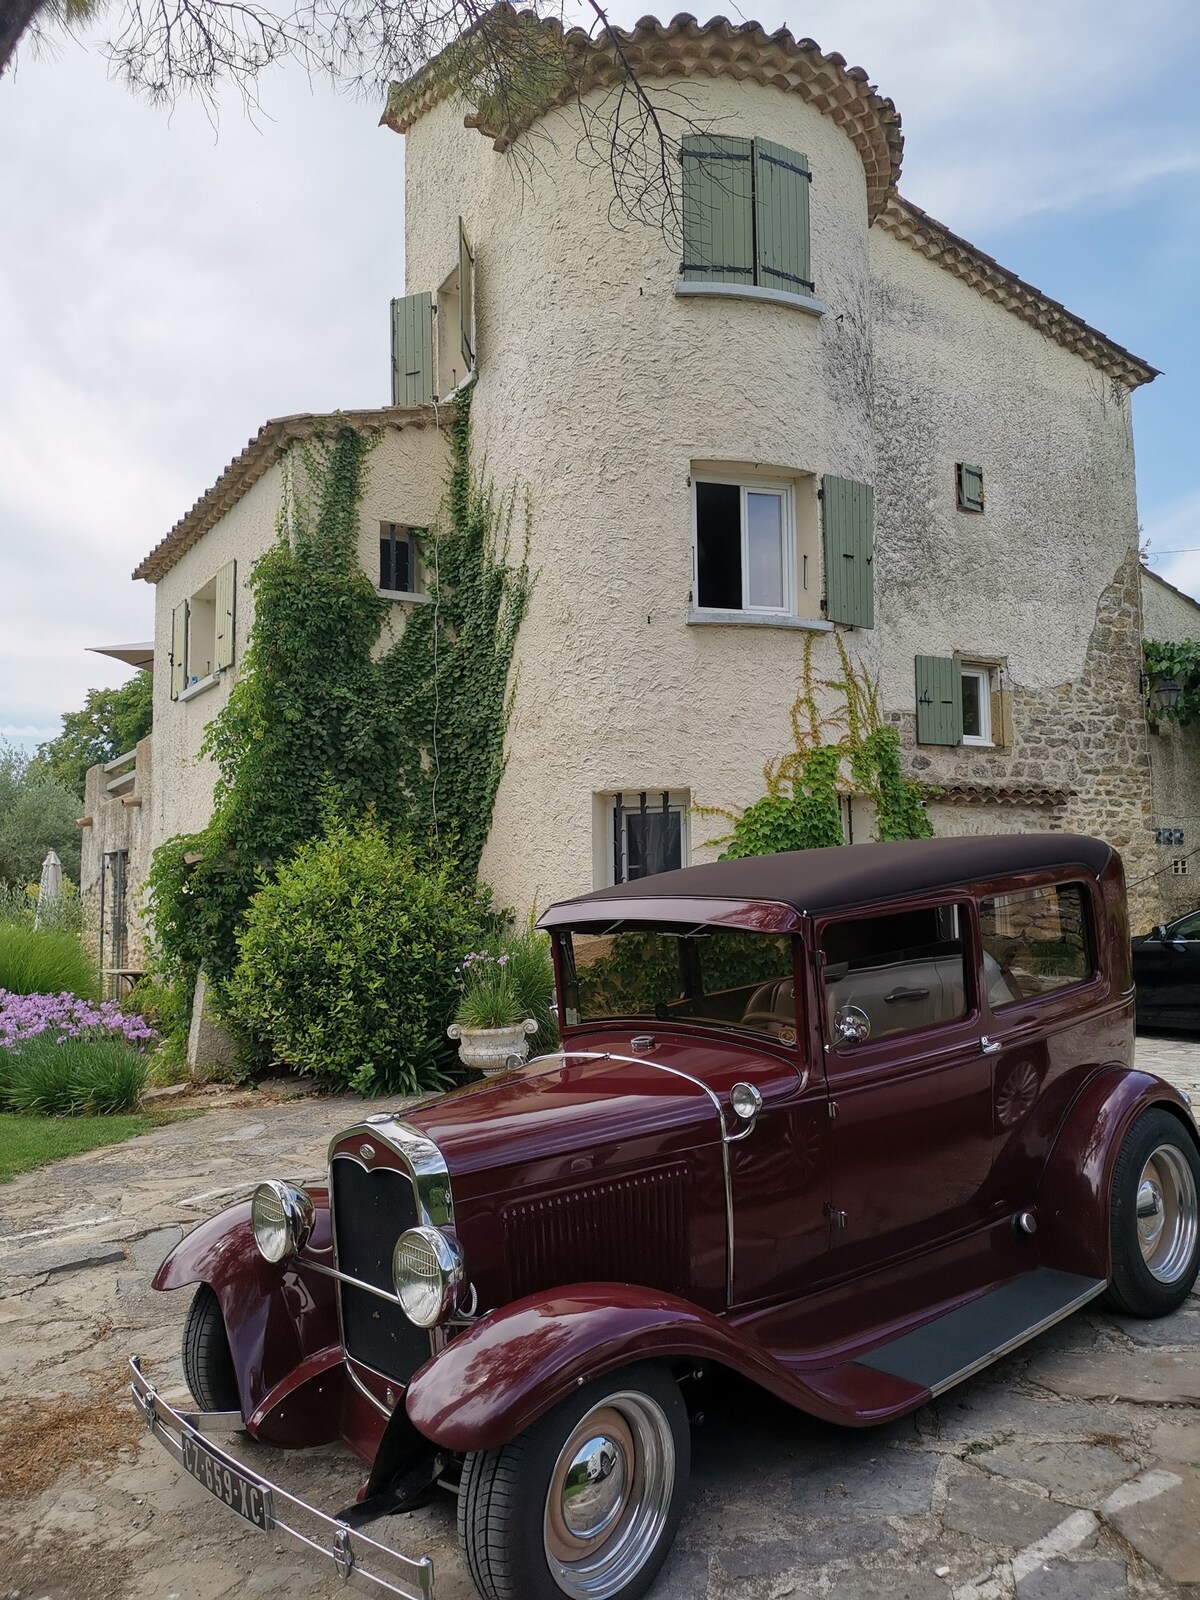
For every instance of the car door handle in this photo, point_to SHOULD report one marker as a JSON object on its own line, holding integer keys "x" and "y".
{"x": 990, "y": 1047}
{"x": 906, "y": 994}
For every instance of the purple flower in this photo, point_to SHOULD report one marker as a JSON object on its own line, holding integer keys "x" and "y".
{"x": 24, "y": 1016}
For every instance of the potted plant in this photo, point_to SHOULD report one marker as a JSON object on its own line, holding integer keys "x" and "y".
{"x": 489, "y": 1023}
{"x": 507, "y": 991}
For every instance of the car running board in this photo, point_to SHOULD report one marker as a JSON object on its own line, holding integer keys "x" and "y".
{"x": 944, "y": 1352}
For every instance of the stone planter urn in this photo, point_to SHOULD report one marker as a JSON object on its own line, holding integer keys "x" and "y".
{"x": 490, "y": 1049}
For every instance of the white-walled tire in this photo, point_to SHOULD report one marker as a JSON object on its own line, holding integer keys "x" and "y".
{"x": 585, "y": 1504}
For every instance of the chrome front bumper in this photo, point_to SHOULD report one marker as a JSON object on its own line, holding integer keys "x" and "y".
{"x": 358, "y": 1559}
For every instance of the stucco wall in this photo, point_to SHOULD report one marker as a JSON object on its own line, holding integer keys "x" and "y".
{"x": 598, "y": 388}
{"x": 404, "y": 483}
{"x": 1043, "y": 581}
{"x": 1174, "y": 756}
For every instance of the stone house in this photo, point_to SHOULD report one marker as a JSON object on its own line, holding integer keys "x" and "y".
{"x": 1171, "y": 616}
{"x": 815, "y": 411}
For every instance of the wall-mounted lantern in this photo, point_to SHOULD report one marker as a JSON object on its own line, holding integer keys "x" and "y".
{"x": 1164, "y": 694}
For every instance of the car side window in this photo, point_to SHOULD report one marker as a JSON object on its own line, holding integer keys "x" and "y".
{"x": 1186, "y": 927}
{"x": 894, "y": 974}
{"x": 1038, "y": 939}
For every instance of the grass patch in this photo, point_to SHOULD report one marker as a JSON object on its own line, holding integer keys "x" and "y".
{"x": 28, "y": 1142}
{"x": 45, "y": 961}
{"x": 72, "y": 1077}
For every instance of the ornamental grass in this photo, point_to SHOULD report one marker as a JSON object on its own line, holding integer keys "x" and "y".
{"x": 37, "y": 961}
{"x": 61, "y": 1056}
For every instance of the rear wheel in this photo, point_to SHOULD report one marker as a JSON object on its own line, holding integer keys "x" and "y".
{"x": 207, "y": 1363}
{"x": 584, "y": 1504}
{"x": 1155, "y": 1217}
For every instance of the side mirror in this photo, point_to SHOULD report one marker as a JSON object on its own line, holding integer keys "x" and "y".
{"x": 1160, "y": 932}
{"x": 852, "y": 1025}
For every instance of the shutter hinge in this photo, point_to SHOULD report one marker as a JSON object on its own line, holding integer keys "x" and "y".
{"x": 820, "y": 494}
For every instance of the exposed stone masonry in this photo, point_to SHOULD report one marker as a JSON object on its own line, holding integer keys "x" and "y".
{"x": 1087, "y": 738}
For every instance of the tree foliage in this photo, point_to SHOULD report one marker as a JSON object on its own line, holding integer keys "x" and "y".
{"x": 110, "y": 724}
{"x": 1181, "y": 663}
{"x": 37, "y": 814}
{"x": 801, "y": 809}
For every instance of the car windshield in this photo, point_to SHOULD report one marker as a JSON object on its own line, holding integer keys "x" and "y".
{"x": 713, "y": 977}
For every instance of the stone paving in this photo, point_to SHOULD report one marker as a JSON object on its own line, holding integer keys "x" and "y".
{"x": 1071, "y": 1471}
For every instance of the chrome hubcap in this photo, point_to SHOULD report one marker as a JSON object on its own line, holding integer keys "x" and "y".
{"x": 1167, "y": 1214}
{"x": 609, "y": 1495}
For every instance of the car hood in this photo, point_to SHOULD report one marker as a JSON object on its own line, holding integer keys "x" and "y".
{"x": 583, "y": 1099}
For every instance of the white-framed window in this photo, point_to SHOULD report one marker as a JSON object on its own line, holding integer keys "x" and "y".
{"x": 976, "y": 705}
{"x": 639, "y": 833}
{"x": 744, "y": 546}
{"x": 399, "y": 558}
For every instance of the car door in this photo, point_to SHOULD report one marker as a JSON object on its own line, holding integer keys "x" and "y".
{"x": 1168, "y": 975}
{"x": 909, "y": 1082}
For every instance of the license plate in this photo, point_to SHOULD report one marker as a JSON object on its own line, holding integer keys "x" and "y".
{"x": 229, "y": 1485}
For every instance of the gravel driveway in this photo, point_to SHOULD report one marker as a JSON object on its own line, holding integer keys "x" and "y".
{"x": 1069, "y": 1472}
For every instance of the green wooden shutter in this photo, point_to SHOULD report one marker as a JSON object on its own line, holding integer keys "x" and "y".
{"x": 226, "y": 584}
{"x": 412, "y": 350}
{"x": 466, "y": 300}
{"x": 179, "y": 622}
{"x": 781, "y": 218}
{"x": 970, "y": 488}
{"x": 718, "y": 209}
{"x": 939, "y": 700}
{"x": 848, "y": 519}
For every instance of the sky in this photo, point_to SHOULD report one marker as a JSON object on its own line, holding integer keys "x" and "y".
{"x": 167, "y": 284}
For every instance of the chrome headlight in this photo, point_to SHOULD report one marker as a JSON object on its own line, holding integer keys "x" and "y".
{"x": 282, "y": 1218}
{"x": 427, "y": 1269}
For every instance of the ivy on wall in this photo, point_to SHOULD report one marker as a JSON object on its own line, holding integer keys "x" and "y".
{"x": 800, "y": 809}
{"x": 317, "y": 725}
{"x": 1180, "y": 662}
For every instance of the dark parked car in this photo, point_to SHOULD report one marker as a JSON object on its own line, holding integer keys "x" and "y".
{"x": 851, "y": 1123}
{"x": 1166, "y": 969}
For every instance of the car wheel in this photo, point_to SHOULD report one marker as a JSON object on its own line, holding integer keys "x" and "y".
{"x": 1155, "y": 1217}
{"x": 586, "y": 1502}
{"x": 207, "y": 1363}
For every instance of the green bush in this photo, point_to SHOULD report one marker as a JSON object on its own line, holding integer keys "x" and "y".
{"x": 346, "y": 960}
{"x": 95, "y": 1076}
{"x": 45, "y": 961}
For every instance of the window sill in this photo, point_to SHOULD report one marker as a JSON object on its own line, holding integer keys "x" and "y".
{"x": 751, "y": 619}
{"x": 977, "y": 744}
{"x": 201, "y": 686}
{"x": 402, "y": 594}
{"x": 686, "y": 288}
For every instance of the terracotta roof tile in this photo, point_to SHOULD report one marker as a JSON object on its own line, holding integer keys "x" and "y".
{"x": 1003, "y": 794}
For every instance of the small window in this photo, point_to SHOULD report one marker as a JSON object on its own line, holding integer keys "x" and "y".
{"x": 398, "y": 564}
{"x": 976, "y": 705}
{"x": 202, "y": 633}
{"x": 894, "y": 974}
{"x": 648, "y": 833}
{"x": 970, "y": 487}
{"x": 745, "y": 545}
{"x": 1037, "y": 939}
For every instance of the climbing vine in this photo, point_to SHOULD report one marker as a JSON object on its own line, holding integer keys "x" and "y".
{"x": 800, "y": 809}
{"x": 318, "y": 726}
{"x": 1179, "y": 662}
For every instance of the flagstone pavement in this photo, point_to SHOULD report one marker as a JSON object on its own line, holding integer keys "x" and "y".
{"x": 1070, "y": 1471}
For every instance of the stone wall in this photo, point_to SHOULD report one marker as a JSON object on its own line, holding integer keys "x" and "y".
{"x": 116, "y": 817}
{"x": 1079, "y": 761}
{"x": 1169, "y": 614}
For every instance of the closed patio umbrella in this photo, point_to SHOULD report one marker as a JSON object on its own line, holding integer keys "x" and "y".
{"x": 50, "y": 889}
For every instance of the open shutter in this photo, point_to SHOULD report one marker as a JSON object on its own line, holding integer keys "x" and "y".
{"x": 412, "y": 350}
{"x": 848, "y": 519}
{"x": 179, "y": 622}
{"x": 718, "y": 209}
{"x": 970, "y": 488}
{"x": 1002, "y": 723}
{"x": 781, "y": 181}
{"x": 466, "y": 300}
{"x": 226, "y": 585}
{"x": 939, "y": 700}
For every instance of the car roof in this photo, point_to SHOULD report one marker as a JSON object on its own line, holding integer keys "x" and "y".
{"x": 796, "y": 883}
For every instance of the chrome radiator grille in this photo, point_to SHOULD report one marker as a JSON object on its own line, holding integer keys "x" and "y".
{"x": 371, "y": 1209}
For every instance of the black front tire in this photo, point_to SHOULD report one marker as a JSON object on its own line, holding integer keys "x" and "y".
{"x": 505, "y": 1496}
{"x": 207, "y": 1362}
{"x": 1153, "y": 1274}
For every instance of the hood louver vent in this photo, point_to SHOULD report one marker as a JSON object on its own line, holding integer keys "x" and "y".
{"x": 633, "y": 1230}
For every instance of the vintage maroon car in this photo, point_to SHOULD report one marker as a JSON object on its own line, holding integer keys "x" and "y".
{"x": 851, "y": 1123}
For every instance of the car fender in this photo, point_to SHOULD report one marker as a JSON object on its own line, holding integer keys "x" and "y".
{"x": 1074, "y": 1193}
{"x": 277, "y": 1317}
{"x": 494, "y": 1381}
